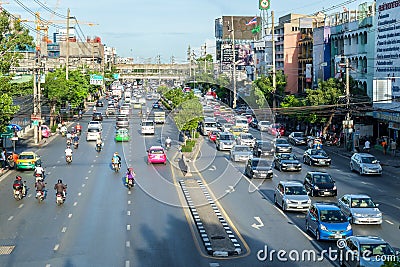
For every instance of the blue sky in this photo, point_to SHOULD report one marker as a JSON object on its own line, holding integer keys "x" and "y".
{"x": 147, "y": 28}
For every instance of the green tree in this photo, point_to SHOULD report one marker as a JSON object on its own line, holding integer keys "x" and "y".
{"x": 7, "y": 111}
{"x": 188, "y": 114}
{"x": 264, "y": 83}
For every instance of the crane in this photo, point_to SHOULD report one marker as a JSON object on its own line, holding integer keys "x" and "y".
{"x": 2, "y": 3}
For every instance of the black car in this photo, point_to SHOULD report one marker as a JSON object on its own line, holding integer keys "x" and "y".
{"x": 97, "y": 116}
{"x": 320, "y": 184}
{"x": 287, "y": 162}
{"x": 316, "y": 157}
{"x": 258, "y": 168}
{"x": 282, "y": 146}
{"x": 297, "y": 138}
{"x": 254, "y": 123}
{"x": 99, "y": 103}
{"x": 263, "y": 148}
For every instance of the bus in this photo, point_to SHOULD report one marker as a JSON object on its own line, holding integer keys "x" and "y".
{"x": 208, "y": 124}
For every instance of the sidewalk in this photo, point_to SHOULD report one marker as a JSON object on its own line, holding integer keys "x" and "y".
{"x": 386, "y": 160}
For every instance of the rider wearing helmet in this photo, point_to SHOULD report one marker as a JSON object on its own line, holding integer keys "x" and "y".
{"x": 116, "y": 159}
{"x": 68, "y": 151}
{"x": 60, "y": 188}
{"x": 39, "y": 170}
{"x": 18, "y": 185}
{"x": 130, "y": 175}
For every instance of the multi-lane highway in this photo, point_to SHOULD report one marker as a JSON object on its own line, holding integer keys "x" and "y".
{"x": 103, "y": 224}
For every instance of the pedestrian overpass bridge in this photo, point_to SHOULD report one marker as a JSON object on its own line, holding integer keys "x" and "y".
{"x": 162, "y": 72}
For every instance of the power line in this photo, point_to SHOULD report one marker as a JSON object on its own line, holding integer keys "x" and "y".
{"x": 50, "y": 10}
{"x": 48, "y": 23}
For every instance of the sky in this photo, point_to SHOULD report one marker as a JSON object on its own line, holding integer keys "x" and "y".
{"x": 148, "y": 28}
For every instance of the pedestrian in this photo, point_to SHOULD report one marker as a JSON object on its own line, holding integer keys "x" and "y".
{"x": 3, "y": 158}
{"x": 393, "y": 147}
{"x": 367, "y": 146}
{"x": 384, "y": 146}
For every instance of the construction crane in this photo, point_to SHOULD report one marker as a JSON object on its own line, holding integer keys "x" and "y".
{"x": 2, "y": 3}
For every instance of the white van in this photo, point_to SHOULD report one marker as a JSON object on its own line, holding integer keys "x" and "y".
{"x": 147, "y": 127}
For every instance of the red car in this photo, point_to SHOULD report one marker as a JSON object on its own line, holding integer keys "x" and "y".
{"x": 212, "y": 135}
{"x": 156, "y": 154}
{"x": 275, "y": 128}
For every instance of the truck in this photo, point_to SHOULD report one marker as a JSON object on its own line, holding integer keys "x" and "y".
{"x": 159, "y": 116}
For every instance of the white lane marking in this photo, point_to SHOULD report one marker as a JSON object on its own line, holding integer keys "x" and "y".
{"x": 58, "y": 161}
{"x": 75, "y": 203}
{"x": 127, "y": 264}
{"x": 89, "y": 171}
{"x": 129, "y": 192}
{"x": 260, "y": 223}
{"x": 49, "y": 173}
{"x": 86, "y": 177}
{"x": 48, "y": 265}
{"x": 10, "y": 218}
{"x": 56, "y": 247}
{"x": 128, "y": 227}
{"x": 83, "y": 185}
{"x": 79, "y": 194}
{"x": 70, "y": 215}
{"x": 389, "y": 222}
{"x": 128, "y": 213}
{"x": 54, "y": 167}
{"x": 91, "y": 166}
{"x": 128, "y": 244}
{"x": 129, "y": 202}
{"x": 64, "y": 229}
{"x": 366, "y": 183}
{"x": 20, "y": 206}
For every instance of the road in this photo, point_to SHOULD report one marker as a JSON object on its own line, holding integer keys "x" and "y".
{"x": 103, "y": 224}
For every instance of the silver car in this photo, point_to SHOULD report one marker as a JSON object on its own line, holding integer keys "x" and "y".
{"x": 365, "y": 163}
{"x": 263, "y": 125}
{"x": 292, "y": 195}
{"x": 224, "y": 141}
{"x": 360, "y": 208}
{"x": 368, "y": 251}
{"x": 241, "y": 153}
{"x": 246, "y": 139}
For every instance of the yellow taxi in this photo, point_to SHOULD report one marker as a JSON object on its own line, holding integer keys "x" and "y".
{"x": 27, "y": 160}
{"x": 236, "y": 131}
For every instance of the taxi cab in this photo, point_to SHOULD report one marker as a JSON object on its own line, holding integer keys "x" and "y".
{"x": 156, "y": 154}
{"x": 236, "y": 131}
{"x": 122, "y": 135}
{"x": 27, "y": 160}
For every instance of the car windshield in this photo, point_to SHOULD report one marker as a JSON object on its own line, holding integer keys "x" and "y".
{"x": 281, "y": 141}
{"x": 122, "y": 132}
{"x": 265, "y": 145}
{"x": 260, "y": 163}
{"x": 318, "y": 152}
{"x": 147, "y": 123}
{"x": 226, "y": 137}
{"x": 247, "y": 136}
{"x": 323, "y": 179}
{"x": 237, "y": 129}
{"x": 242, "y": 149}
{"x": 288, "y": 157}
{"x": 362, "y": 203}
{"x": 264, "y": 123}
{"x": 371, "y": 250}
{"x": 295, "y": 190}
{"x": 156, "y": 151}
{"x": 209, "y": 124}
{"x": 93, "y": 130}
{"x": 241, "y": 121}
{"x": 298, "y": 135}
{"x": 370, "y": 160}
{"x": 97, "y": 114}
{"x": 122, "y": 119}
{"x": 25, "y": 157}
{"x": 332, "y": 216}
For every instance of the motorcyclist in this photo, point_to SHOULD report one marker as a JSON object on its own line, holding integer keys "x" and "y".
{"x": 168, "y": 142}
{"x": 94, "y": 109}
{"x": 68, "y": 152}
{"x": 79, "y": 116}
{"x": 99, "y": 142}
{"x": 76, "y": 139}
{"x": 60, "y": 188}
{"x": 40, "y": 185}
{"x": 19, "y": 185}
{"x": 130, "y": 175}
{"x": 69, "y": 137}
{"x": 63, "y": 129}
{"x": 78, "y": 128}
{"x": 39, "y": 170}
{"x": 116, "y": 159}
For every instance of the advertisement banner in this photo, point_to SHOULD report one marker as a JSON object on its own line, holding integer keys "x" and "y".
{"x": 308, "y": 73}
{"x": 241, "y": 27}
{"x": 226, "y": 57}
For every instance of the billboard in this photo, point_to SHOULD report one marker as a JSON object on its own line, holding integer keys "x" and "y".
{"x": 241, "y": 30}
{"x": 308, "y": 73}
{"x": 226, "y": 57}
{"x": 244, "y": 56}
{"x": 387, "y": 46}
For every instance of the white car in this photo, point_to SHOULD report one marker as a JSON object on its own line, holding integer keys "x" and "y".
{"x": 95, "y": 124}
{"x": 93, "y": 134}
{"x": 263, "y": 125}
{"x": 246, "y": 139}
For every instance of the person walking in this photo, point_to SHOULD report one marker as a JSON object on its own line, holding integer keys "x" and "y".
{"x": 393, "y": 147}
{"x": 384, "y": 146}
{"x": 3, "y": 158}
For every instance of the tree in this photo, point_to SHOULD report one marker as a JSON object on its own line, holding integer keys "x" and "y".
{"x": 188, "y": 114}
{"x": 264, "y": 83}
{"x": 7, "y": 111}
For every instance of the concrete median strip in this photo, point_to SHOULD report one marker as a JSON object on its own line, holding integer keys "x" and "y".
{"x": 217, "y": 236}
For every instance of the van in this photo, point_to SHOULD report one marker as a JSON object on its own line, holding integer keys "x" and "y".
{"x": 147, "y": 127}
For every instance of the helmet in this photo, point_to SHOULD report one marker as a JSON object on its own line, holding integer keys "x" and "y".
{"x": 18, "y": 178}
{"x": 116, "y": 153}
{"x": 38, "y": 165}
{"x": 130, "y": 169}
{"x": 59, "y": 181}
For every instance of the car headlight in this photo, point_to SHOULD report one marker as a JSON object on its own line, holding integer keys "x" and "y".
{"x": 309, "y": 201}
{"x": 323, "y": 227}
{"x": 348, "y": 228}
{"x": 284, "y": 164}
{"x": 357, "y": 214}
{"x": 288, "y": 201}
{"x": 270, "y": 171}
{"x": 255, "y": 171}
{"x": 316, "y": 187}
{"x": 299, "y": 165}
{"x": 334, "y": 188}
{"x": 379, "y": 214}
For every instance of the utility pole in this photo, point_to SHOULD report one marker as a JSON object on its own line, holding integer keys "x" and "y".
{"x": 159, "y": 73}
{"x": 205, "y": 55}
{"x": 67, "y": 52}
{"x": 234, "y": 64}
{"x": 273, "y": 65}
{"x": 189, "y": 58}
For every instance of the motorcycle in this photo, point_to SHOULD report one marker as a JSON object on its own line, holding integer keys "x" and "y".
{"x": 39, "y": 177}
{"x": 40, "y": 195}
{"x": 68, "y": 159}
{"x": 130, "y": 184}
{"x": 167, "y": 145}
{"x": 18, "y": 195}
{"x": 59, "y": 199}
{"x": 116, "y": 167}
{"x": 98, "y": 147}
{"x": 76, "y": 144}
{"x": 78, "y": 131}
{"x": 68, "y": 142}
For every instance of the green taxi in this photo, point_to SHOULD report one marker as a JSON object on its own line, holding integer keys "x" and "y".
{"x": 122, "y": 135}
{"x": 27, "y": 161}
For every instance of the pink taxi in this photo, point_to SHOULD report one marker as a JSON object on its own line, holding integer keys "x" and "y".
{"x": 156, "y": 154}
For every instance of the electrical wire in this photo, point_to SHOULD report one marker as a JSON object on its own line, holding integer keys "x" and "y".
{"x": 50, "y": 10}
{"x": 48, "y": 23}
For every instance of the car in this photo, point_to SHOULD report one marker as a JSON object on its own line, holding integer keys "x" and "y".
{"x": 241, "y": 153}
{"x": 263, "y": 125}
{"x": 122, "y": 135}
{"x": 361, "y": 250}
{"x": 27, "y": 161}
{"x": 99, "y": 103}
{"x": 327, "y": 222}
{"x": 286, "y": 162}
{"x": 124, "y": 110}
{"x": 291, "y": 195}
{"x": 320, "y": 184}
{"x": 316, "y": 157}
{"x": 93, "y": 134}
{"x": 156, "y": 105}
{"x": 95, "y": 124}
{"x": 156, "y": 154}
{"x": 254, "y": 123}
{"x": 111, "y": 111}
{"x": 224, "y": 141}
{"x": 297, "y": 138}
{"x": 241, "y": 122}
{"x": 246, "y": 139}
{"x": 236, "y": 131}
{"x": 276, "y": 129}
{"x": 45, "y": 130}
{"x": 142, "y": 100}
{"x": 263, "y": 148}
{"x": 365, "y": 163}
{"x": 97, "y": 116}
{"x": 360, "y": 208}
{"x": 226, "y": 127}
{"x": 122, "y": 122}
{"x": 258, "y": 168}
{"x": 147, "y": 127}
{"x": 212, "y": 135}
{"x": 282, "y": 146}
{"x": 137, "y": 105}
